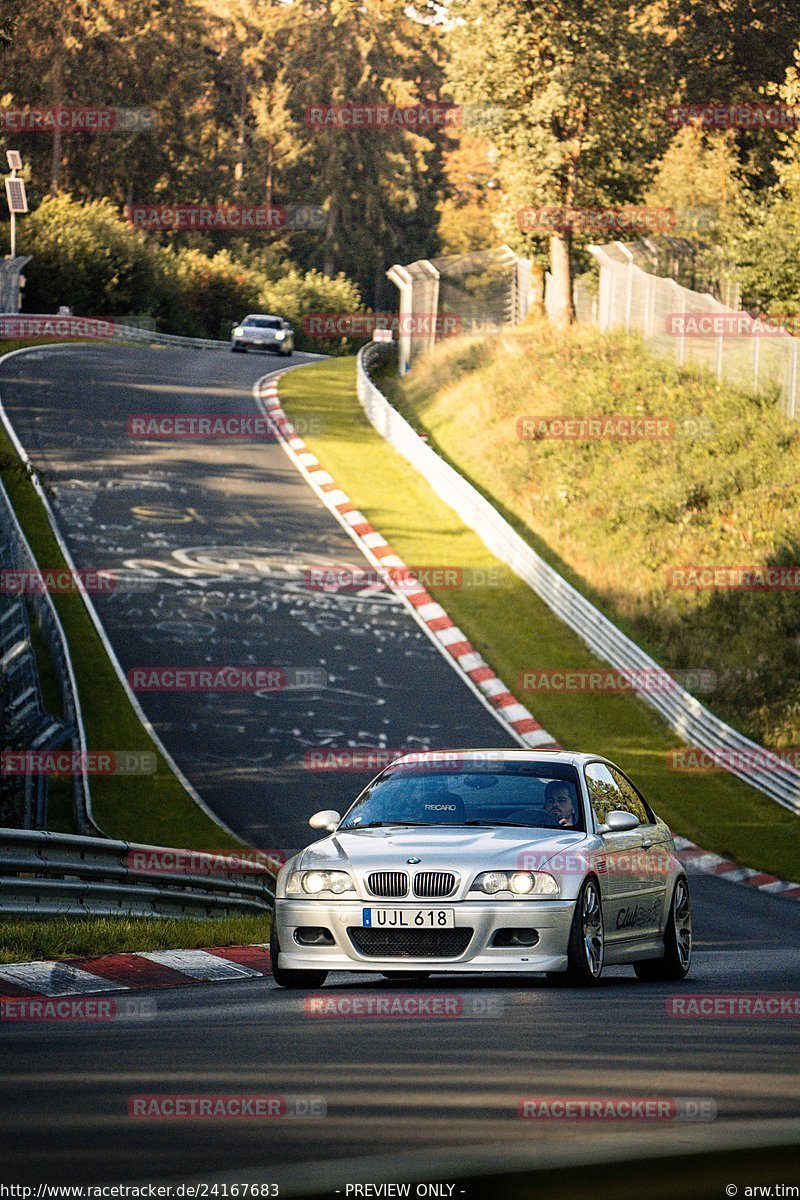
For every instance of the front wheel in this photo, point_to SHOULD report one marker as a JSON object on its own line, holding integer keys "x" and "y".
{"x": 586, "y": 948}
{"x": 238, "y": 350}
{"x": 677, "y": 941}
{"x": 291, "y": 979}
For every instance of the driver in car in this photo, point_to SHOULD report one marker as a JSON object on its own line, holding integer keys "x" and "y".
{"x": 559, "y": 803}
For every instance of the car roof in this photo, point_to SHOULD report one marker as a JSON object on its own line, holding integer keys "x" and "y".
{"x": 489, "y": 753}
{"x": 270, "y": 316}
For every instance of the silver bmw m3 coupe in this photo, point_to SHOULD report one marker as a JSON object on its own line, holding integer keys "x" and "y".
{"x": 486, "y": 860}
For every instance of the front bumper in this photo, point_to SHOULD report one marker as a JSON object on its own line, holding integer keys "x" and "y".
{"x": 552, "y": 919}
{"x": 249, "y": 343}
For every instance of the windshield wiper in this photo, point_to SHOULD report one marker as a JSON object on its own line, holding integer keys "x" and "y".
{"x": 402, "y": 824}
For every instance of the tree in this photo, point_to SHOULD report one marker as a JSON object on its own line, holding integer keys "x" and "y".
{"x": 700, "y": 178}
{"x": 9, "y": 15}
{"x": 578, "y": 93}
{"x": 378, "y": 187}
{"x": 275, "y": 131}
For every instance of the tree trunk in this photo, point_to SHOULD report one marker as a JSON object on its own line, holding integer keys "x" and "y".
{"x": 329, "y": 266}
{"x": 562, "y": 308}
{"x": 58, "y": 100}
{"x": 238, "y": 173}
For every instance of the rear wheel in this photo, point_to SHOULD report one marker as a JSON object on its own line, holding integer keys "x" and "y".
{"x": 586, "y": 948}
{"x": 677, "y": 941}
{"x": 291, "y": 979}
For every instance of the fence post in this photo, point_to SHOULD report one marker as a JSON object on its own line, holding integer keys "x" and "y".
{"x": 791, "y": 399}
{"x": 756, "y": 360}
{"x": 402, "y": 279}
{"x": 682, "y": 339}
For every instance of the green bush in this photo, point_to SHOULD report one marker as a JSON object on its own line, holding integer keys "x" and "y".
{"x": 88, "y": 257}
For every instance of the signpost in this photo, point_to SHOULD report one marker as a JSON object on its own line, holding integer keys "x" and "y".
{"x": 15, "y": 195}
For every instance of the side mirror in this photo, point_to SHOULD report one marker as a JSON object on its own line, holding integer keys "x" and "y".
{"x": 619, "y": 822}
{"x": 326, "y": 820}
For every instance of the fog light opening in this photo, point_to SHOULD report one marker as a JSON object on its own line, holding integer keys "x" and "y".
{"x": 516, "y": 937}
{"x": 314, "y": 935}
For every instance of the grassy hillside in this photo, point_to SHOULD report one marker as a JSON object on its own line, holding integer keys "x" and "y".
{"x": 617, "y": 516}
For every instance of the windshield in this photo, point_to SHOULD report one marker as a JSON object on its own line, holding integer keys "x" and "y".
{"x": 539, "y": 795}
{"x": 263, "y": 322}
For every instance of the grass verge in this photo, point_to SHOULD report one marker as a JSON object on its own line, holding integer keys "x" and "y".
{"x": 155, "y": 809}
{"x": 515, "y": 631}
{"x": 74, "y": 937}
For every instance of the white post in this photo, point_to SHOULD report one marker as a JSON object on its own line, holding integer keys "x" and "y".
{"x": 756, "y": 360}
{"x": 791, "y": 399}
{"x": 401, "y": 278}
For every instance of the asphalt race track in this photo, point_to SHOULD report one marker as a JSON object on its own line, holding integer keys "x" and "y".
{"x": 409, "y": 1086}
{"x": 210, "y": 543}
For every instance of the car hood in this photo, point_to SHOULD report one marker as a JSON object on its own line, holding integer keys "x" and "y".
{"x": 438, "y": 847}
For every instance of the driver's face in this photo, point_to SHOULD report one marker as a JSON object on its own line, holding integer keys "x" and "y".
{"x": 559, "y": 805}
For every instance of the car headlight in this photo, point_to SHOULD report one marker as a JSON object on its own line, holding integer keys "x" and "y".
{"x": 280, "y": 335}
{"x": 519, "y": 883}
{"x": 312, "y": 883}
{"x": 238, "y": 331}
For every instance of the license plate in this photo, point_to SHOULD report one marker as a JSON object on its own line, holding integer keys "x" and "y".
{"x": 408, "y": 918}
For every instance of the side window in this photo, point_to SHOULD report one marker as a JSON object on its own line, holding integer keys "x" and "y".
{"x": 633, "y": 801}
{"x": 604, "y": 793}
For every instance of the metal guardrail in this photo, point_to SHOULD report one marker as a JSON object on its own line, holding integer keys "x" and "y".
{"x": 25, "y": 723}
{"x": 130, "y": 333}
{"x": 682, "y": 712}
{"x": 45, "y": 875}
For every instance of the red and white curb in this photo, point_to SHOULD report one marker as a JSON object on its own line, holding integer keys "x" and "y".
{"x": 121, "y": 973}
{"x": 432, "y": 617}
{"x": 697, "y": 860}
{"x": 127, "y": 972}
